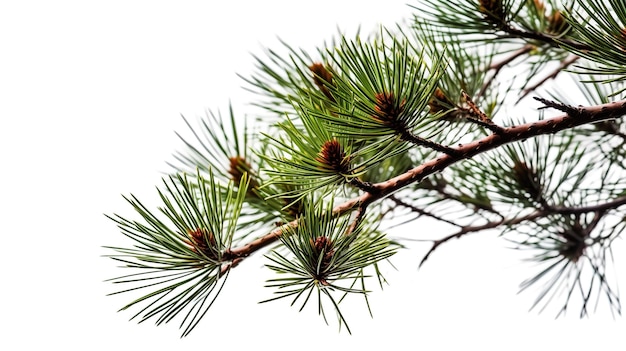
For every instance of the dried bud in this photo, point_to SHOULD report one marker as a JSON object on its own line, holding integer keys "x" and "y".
{"x": 557, "y": 23}
{"x": 387, "y": 108}
{"x": 322, "y": 78}
{"x": 573, "y": 243}
{"x": 527, "y": 178}
{"x": 203, "y": 241}
{"x": 493, "y": 10}
{"x": 439, "y": 102}
{"x": 322, "y": 243}
{"x": 540, "y": 6}
{"x": 325, "y": 245}
{"x": 332, "y": 157}
{"x": 622, "y": 39}
{"x": 237, "y": 167}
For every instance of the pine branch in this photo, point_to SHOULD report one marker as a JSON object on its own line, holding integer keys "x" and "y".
{"x": 575, "y": 117}
{"x": 579, "y": 116}
{"x": 352, "y": 120}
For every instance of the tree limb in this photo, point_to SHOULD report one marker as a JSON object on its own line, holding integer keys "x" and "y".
{"x": 574, "y": 117}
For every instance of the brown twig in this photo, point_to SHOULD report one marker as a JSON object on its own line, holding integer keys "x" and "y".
{"x": 598, "y": 209}
{"x": 472, "y": 229}
{"x": 414, "y": 139}
{"x": 574, "y": 117}
{"x": 419, "y": 211}
{"x": 564, "y": 64}
{"x": 497, "y": 67}
{"x": 360, "y": 214}
{"x": 232, "y": 264}
{"x": 359, "y": 184}
{"x": 544, "y": 38}
{"x": 460, "y": 198}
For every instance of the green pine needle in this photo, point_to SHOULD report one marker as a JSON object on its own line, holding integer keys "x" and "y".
{"x": 322, "y": 256}
{"x": 177, "y": 252}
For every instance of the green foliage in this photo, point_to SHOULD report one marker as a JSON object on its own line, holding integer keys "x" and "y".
{"x": 327, "y": 258}
{"x": 601, "y": 26}
{"x": 422, "y": 122}
{"x": 179, "y": 250}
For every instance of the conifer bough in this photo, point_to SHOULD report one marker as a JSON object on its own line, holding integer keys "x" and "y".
{"x": 432, "y": 119}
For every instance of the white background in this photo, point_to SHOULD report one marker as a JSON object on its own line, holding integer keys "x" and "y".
{"x": 90, "y": 96}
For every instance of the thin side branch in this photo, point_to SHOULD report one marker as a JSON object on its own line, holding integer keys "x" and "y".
{"x": 360, "y": 214}
{"x": 232, "y": 264}
{"x": 497, "y": 67}
{"x": 414, "y": 139}
{"x": 548, "y": 39}
{"x": 419, "y": 211}
{"x": 472, "y": 229}
{"x": 599, "y": 209}
{"x": 365, "y": 186}
{"x": 564, "y": 64}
